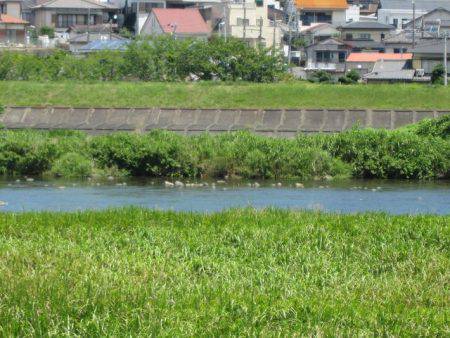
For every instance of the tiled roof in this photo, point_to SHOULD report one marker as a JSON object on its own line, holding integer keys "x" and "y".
{"x": 92, "y": 4}
{"x": 321, "y": 4}
{"x": 182, "y": 21}
{"x": 5, "y": 18}
{"x": 373, "y": 57}
{"x": 367, "y": 25}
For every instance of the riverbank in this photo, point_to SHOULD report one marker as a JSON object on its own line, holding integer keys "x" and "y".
{"x": 218, "y": 95}
{"x": 419, "y": 153}
{"x": 239, "y": 272}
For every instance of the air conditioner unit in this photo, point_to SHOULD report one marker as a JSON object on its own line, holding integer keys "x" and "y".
{"x": 420, "y": 72}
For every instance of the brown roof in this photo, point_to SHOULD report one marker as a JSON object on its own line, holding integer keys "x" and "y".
{"x": 321, "y": 4}
{"x": 5, "y": 18}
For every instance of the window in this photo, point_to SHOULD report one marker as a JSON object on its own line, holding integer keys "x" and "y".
{"x": 11, "y": 35}
{"x": 67, "y": 20}
{"x": 259, "y": 22}
{"x": 348, "y": 36}
{"x": 382, "y": 36}
{"x": 364, "y": 36}
{"x": 2, "y": 8}
{"x": 324, "y": 56}
{"x": 342, "y": 56}
{"x": 395, "y": 23}
{"x": 396, "y": 50}
{"x": 259, "y": 3}
{"x": 243, "y": 22}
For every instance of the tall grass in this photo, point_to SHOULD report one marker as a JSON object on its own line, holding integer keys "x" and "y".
{"x": 358, "y": 153}
{"x": 137, "y": 272}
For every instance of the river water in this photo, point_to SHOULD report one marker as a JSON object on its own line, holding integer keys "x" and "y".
{"x": 349, "y": 196}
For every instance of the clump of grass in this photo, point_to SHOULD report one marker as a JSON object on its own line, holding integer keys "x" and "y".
{"x": 238, "y": 272}
{"x": 72, "y": 165}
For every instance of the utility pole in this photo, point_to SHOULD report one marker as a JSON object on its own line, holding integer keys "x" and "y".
{"x": 244, "y": 29}
{"x": 414, "y": 24}
{"x": 225, "y": 19}
{"x": 274, "y": 30}
{"x": 260, "y": 30}
{"x": 89, "y": 25}
{"x": 445, "y": 61}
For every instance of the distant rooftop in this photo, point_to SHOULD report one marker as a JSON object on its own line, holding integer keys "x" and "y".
{"x": 181, "y": 20}
{"x": 5, "y": 18}
{"x": 321, "y": 4}
{"x": 368, "y": 25}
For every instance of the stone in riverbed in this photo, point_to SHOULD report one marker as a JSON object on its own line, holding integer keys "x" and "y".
{"x": 3, "y": 203}
{"x": 168, "y": 184}
{"x": 179, "y": 184}
{"x": 299, "y": 185}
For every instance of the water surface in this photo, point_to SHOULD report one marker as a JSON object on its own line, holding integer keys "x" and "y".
{"x": 349, "y": 196}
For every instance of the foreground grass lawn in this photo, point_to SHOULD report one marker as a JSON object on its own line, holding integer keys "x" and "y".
{"x": 216, "y": 95}
{"x": 137, "y": 272}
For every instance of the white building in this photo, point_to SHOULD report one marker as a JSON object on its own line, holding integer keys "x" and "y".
{"x": 248, "y": 20}
{"x": 399, "y": 12}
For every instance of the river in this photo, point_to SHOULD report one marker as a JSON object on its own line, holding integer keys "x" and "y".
{"x": 348, "y": 196}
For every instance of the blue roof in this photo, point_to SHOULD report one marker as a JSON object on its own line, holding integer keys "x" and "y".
{"x": 100, "y": 45}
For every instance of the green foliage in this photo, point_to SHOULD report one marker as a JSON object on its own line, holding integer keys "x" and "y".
{"x": 350, "y": 78}
{"x": 145, "y": 273}
{"x": 437, "y": 74}
{"x": 361, "y": 153}
{"x": 434, "y": 127}
{"x": 158, "y": 59}
{"x": 45, "y": 30}
{"x": 72, "y": 165}
{"x": 397, "y": 154}
{"x": 321, "y": 76}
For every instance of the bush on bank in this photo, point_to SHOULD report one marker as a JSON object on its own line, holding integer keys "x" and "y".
{"x": 358, "y": 153}
{"x": 157, "y": 59}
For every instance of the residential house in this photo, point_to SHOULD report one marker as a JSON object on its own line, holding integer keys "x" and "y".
{"x": 402, "y": 42}
{"x": 435, "y": 22}
{"x": 12, "y": 8}
{"x": 429, "y": 53}
{"x": 322, "y": 11}
{"x": 366, "y": 7}
{"x": 12, "y": 29}
{"x": 391, "y": 71}
{"x": 317, "y": 32}
{"x": 365, "y": 35}
{"x": 178, "y": 22}
{"x": 81, "y": 35}
{"x": 61, "y": 14}
{"x": 363, "y": 63}
{"x": 248, "y": 20}
{"x": 328, "y": 55}
{"x": 399, "y": 12}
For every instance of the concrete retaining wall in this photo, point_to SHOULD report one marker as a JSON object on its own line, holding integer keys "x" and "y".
{"x": 277, "y": 122}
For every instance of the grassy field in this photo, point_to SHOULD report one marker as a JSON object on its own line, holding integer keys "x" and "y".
{"x": 138, "y": 272}
{"x": 216, "y": 95}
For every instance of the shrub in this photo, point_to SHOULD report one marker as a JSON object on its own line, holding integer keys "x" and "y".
{"x": 321, "y": 76}
{"x": 434, "y": 127}
{"x": 396, "y": 154}
{"x": 45, "y": 30}
{"x": 437, "y": 74}
{"x": 72, "y": 165}
{"x": 350, "y": 78}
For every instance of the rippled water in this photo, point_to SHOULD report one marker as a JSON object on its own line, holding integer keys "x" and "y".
{"x": 349, "y": 196}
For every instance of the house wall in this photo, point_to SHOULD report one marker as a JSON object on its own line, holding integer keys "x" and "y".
{"x": 339, "y": 17}
{"x": 427, "y": 62}
{"x": 332, "y": 64}
{"x": 254, "y": 29}
{"x": 13, "y": 9}
{"x": 151, "y": 26}
{"x": 361, "y": 67}
{"x": 356, "y": 34}
{"x": 17, "y": 30}
{"x": 387, "y": 16}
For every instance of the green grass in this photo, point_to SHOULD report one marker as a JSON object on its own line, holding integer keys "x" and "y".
{"x": 216, "y": 95}
{"x": 136, "y": 272}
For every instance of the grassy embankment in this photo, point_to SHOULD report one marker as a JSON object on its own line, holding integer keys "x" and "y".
{"x": 219, "y": 95}
{"x": 146, "y": 273}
